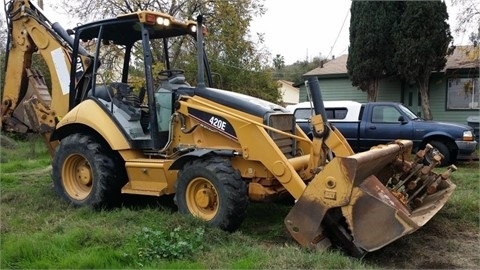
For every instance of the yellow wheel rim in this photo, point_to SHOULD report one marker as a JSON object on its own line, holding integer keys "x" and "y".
{"x": 77, "y": 177}
{"x": 202, "y": 198}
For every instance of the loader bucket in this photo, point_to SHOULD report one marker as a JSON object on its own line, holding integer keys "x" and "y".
{"x": 368, "y": 200}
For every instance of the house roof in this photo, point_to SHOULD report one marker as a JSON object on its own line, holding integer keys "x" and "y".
{"x": 334, "y": 66}
{"x": 288, "y": 84}
{"x": 462, "y": 57}
{"x": 285, "y": 82}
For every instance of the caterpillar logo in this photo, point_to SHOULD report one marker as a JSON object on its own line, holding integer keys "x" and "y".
{"x": 217, "y": 122}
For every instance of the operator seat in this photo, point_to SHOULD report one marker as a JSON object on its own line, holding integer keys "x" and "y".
{"x": 172, "y": 79}
{"x": 125, "y": 94}
{"x": 104, "y": 92}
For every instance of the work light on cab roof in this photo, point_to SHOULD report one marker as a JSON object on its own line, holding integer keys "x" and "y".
{"x": 156, "y": 19}
{"x": 163, "y": 21}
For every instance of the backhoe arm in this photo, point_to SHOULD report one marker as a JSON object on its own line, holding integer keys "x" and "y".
{"x": 27, "y": 104}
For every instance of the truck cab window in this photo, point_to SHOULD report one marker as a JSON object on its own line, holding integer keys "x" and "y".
{"x": 385, "y": 114}
{"x": 303, "y": 113}
{"x": 337, "y": 113}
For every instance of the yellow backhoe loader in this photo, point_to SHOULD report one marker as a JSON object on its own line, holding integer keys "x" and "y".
{"x": 120, "y": 125}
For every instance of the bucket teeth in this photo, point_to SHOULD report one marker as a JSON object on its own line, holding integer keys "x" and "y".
{"x": 412, "y": 186}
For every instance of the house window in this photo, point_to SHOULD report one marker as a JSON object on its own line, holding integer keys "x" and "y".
{"x": 463, "y": 93}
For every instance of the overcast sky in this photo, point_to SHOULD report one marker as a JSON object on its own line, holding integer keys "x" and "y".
{"x": 297, "y": 30}
{"x": 307, "y": 28}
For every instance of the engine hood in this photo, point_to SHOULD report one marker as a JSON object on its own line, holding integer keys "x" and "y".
{"x": 241, "y": 102}
{"x": 454, "y": 129}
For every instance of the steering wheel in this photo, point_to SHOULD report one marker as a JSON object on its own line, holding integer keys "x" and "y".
{"x": 171, "y": 72}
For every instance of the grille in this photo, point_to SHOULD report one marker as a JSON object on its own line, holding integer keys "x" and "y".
{"x": 285, "y": 123}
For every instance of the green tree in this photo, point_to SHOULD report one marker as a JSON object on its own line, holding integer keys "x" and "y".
{"x": 279, "y": 61}
{"x": 370, "y": 52}
{"x": 279, "y": 64}
{"x": 421, "y": 38}
{"x": 238, "y": 64}
{"x": 468, "y": 21}
{"x": 295, "y": 71}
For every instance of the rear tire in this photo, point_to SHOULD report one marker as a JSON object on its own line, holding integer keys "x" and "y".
{"x": 83, "y": 172}
{"x": 212, "y": 190}
{"x": 439, "y": 147}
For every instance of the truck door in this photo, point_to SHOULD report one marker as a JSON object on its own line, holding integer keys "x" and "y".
{"x": 383, "y": 125}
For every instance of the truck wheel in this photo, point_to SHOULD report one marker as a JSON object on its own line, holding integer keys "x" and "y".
{"x": 83, "y": 172}
{"x": 439, "y": 147}
{"x": 213, "y": 191}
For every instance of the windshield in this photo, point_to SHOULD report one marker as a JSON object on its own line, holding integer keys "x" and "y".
{"x": 411, "y": 115}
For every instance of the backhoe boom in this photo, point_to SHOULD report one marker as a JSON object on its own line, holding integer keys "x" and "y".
{"x": 29, "y": 33}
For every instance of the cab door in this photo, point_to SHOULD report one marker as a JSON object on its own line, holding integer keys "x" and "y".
{"x": 385, "y": 124}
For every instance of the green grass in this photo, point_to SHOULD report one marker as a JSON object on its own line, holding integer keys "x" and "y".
{"x": 463, "y": 206}
{"x": 39, "y": 230}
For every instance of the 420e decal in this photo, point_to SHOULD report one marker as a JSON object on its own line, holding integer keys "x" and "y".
{"x": 217, "y": 122}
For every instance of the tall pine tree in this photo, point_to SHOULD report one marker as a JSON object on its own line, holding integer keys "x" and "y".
{"x": 421, "y": 38}
{"x": 371, "y": 52}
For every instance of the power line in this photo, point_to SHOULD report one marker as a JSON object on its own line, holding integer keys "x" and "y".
{"x": 345, "y": 49}
{"x": 339, "y": 32}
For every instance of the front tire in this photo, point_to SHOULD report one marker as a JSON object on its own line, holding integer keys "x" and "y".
{"x": 212, "y": 190}
{"x": 83, "y": 172}
{"x": 442, "y": 148}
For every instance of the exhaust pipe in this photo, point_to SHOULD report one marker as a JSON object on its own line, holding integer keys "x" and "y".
{"x": 200, "y": 54}
{"x": 59, "y": 30}
{"x": 202, "y": 61}
{"x": 318, "y": 107}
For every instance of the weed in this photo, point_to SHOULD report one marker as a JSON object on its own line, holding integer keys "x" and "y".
{"x": 160, "y": 244}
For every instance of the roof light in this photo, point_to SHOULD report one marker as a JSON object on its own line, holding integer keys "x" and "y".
{"x": 163, "y": 21}
{"x": 166, "y": 22}
{"x": 193, "y": 28}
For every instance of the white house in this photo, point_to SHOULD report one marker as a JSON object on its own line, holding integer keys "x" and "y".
{"x": 288, "y": 92}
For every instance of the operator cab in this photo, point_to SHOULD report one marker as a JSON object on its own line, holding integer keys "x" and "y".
{"x": 135, "y": 79}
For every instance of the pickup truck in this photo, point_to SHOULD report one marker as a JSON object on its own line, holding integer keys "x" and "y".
{"x": 368, "y": 124}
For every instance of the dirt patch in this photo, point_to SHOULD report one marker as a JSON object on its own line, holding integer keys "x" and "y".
{"x": 33, "y": 173}
{"x": 431, "y": 248}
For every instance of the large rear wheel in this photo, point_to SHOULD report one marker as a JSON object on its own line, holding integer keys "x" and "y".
{"x": 83, "y": 172}
{"x": 212, "y": 190}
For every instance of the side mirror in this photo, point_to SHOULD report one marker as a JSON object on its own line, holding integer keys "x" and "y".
{"x": 402, "y": 120}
